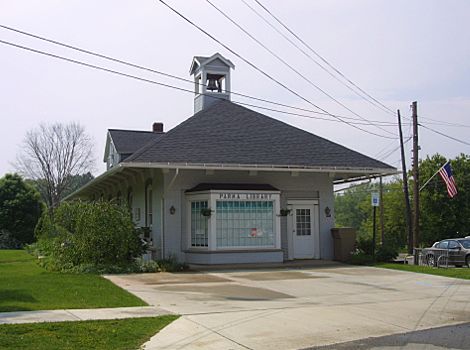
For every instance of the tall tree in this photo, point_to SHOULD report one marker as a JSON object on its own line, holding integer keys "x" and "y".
{"x": 52, "y": 155}
{"x": 443, "y": 217}
{"x": 20, "y": 208}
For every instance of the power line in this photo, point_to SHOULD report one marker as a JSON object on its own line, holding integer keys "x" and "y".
{"x": 444, "y": 123}
{"x": 133, "y": 65}
{"x": 263, "y": 72}
{"x": 144, "y": 79}
{"x": 322, "y": 58}
{"x": 302, "y": 76}
{"x": 445, "y": 135}
{"x": 385, "y": 156}
{"x": 363, "y": 96}
{"x": 384, "y": 148}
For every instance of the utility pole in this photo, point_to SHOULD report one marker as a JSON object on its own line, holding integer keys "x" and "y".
{"x": 382, "y": 231}
{"x": 405, "y": 189}
{"x": 414, "y": 107}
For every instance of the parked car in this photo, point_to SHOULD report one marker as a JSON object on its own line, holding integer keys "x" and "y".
{"x": 456, "y": 251}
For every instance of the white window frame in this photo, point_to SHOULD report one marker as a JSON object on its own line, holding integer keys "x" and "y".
{"x": 197, "y": 198}
{"x": 212, "y": 197}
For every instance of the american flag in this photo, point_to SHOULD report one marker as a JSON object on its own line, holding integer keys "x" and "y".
{"x": 448, "y": 178}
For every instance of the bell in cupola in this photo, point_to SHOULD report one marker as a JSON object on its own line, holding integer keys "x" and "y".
{"x": 212, "y": 83}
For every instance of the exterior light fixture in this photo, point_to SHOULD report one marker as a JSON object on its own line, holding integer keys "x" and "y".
{"x": 328, "y": 212}
{"x": 172, "y": 210}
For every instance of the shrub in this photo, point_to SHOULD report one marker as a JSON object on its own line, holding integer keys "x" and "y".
{"x": 359, "y": 257}
{"x": 20, "y": 208}
{"x": 366, "y": 245}
{"x": 386, "y": 253}
{"x": 171, "y": 264}
{"x": 89, "y": 236}
{"x": 7, "y": 241}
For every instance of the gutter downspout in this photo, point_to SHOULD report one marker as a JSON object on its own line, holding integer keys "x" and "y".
{"x": 170, "y": 185}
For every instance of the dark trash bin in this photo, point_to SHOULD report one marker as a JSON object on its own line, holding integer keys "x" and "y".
{"x": 344, "y": 240}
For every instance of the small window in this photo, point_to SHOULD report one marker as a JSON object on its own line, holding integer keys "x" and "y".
{"x": 199, "y": 224}
{"x": 149, "y": 206}
{"x": 130, "y": 202}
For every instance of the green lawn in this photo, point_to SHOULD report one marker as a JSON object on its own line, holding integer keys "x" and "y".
{"x": 110, "y": 334}
{"x": 463, "y": 273}
{"x": 26, "y": 286}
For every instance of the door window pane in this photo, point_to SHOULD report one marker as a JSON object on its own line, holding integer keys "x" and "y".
{"x": 303, "y": 222}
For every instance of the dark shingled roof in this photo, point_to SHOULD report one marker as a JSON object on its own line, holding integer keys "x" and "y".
{"x": 129, "y": 141}
{"x": 227, "y": 133}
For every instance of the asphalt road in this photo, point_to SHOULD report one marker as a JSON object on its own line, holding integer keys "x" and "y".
{"x": 448, "y": 337}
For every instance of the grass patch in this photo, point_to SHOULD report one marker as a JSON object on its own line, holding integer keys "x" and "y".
{"x": 26, "y": 286}
{"x": 463, "y": 273}
{"x": 109, "y": 334}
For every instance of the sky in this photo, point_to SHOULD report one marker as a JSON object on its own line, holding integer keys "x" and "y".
{"x": 397, "y": 51}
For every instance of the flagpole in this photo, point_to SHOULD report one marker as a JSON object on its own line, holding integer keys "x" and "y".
{"x": 433, "y": 176}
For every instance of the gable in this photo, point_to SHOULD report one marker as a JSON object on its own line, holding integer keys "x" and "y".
{"x": 216, "y": 61}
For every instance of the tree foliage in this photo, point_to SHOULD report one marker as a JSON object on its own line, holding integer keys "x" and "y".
{"x": 353, "y": 209}
{"x": 441, "y": 216}
{"x": 20, "y": 208}
{"x": 52, "y": 155}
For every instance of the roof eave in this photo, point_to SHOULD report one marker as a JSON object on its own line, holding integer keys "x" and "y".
{"x": 115, "y": 169}
{"x": 260, "y": 167}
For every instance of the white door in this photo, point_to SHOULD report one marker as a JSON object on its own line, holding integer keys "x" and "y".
{"x": 303, "y": 228}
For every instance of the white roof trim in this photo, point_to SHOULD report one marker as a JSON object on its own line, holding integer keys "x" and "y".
{"x": 209, "y": 60}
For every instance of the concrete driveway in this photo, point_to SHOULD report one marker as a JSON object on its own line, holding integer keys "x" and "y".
{"x": 297, "y": 308}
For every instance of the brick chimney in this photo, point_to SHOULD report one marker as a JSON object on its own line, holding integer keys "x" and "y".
{"x": 157, "y": 127}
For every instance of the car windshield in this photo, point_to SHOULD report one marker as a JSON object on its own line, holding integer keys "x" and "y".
{"x": 465, "y": 243}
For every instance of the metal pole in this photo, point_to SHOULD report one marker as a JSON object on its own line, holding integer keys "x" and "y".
{"x": 374, "y": 233}
{"x": 405, "y": 189}
{"x": 422, "y": 187}
{"x": 414, "y": 108}
{"x": 382, "y": 230}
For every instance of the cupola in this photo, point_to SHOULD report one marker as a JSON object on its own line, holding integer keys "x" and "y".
{"x": 211, "y": 80}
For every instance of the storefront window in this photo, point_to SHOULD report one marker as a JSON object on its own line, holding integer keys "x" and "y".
{"x": 245, "y": 224}
{"x": 199, "y": 224}
{"x": 223, "y": 220}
